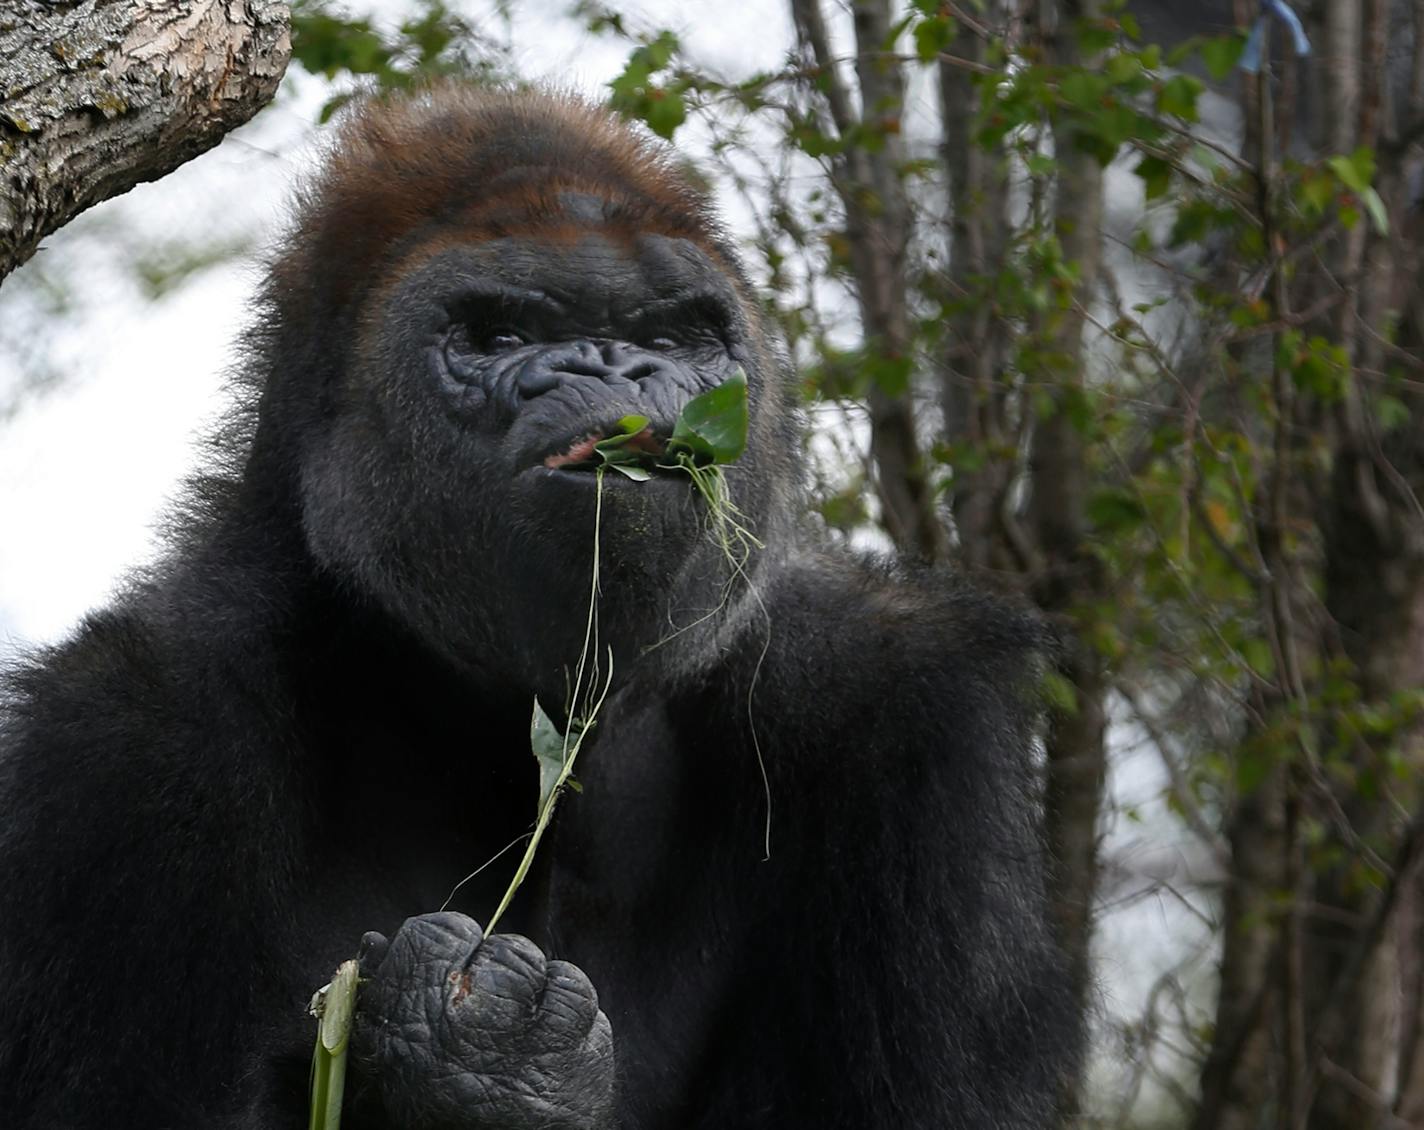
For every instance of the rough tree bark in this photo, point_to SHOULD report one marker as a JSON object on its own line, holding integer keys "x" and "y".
{"x": 99, "y": 95}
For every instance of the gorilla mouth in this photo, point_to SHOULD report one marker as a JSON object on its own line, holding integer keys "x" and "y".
{"x": 582, "y": 454}
{"x": 579, "y": 452}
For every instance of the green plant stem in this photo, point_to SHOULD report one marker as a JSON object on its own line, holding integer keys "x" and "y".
{"x": 583, "y": 726}
{"x": 335, "y": 1009}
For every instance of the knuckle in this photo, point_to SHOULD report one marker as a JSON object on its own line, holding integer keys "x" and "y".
{"x": 432, "y": 941}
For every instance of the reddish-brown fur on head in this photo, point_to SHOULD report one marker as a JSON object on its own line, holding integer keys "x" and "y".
{"x": 462, "y": 163}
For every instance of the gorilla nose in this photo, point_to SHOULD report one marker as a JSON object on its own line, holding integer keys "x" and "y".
{"x": 611, "y": 362}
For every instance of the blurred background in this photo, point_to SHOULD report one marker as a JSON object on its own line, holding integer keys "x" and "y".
{"x": 1115, "y": 306}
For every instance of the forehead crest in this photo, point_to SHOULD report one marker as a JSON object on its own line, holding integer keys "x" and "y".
{"x": 492, "y": 164}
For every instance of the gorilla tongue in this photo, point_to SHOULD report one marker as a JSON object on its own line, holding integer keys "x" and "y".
{"x": 580, "y": 451}
{"x": 584, "y": 451}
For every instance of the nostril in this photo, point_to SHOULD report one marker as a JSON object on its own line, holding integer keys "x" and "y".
{"x": 641, "y": 370}
{"x": 536, "y": 383}
{"x": 587, "y": 367}
{"x": 534, "y": 378}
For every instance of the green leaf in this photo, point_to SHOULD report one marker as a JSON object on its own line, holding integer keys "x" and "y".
{"x": 1041, "y": 165}
{"x": 1182, "y": 51}
{"x": 616, "y": 451}
{"x": 547, "y": 743}
{"x": 891, "y": 375}
{"x": 1095, "y": 36}
{"x": 1316, "y": 192}
{"x": 1083, "y": 89}
{"x": 1114, "y": 509}
{"x": 1221, "y": 54}
{"x": 1251, "y": 770}
{"x": 1391, "y": 412}
{"x": 1122, "y": 68}
{"x": 1259, "y": 656}
{"x": 713, "y": 427}
{"x": 1375, "y": 207}
{"x": 664, "y": 110}
{"x": 1156, "y": 176}
{"x": 932, "y": 36}
{"x": 1060, "y": 693}
{"x": 1178, "y": 96}
{"x": 1357, "y": 171}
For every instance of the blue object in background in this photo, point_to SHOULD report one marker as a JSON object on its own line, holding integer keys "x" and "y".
{"x": 1251, "y": 54}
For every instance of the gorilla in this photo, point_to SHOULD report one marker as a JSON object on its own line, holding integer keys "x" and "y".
{"x": 802, "y": 883}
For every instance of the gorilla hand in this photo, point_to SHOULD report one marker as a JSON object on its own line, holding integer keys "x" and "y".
{"x": 464, "y": 1032}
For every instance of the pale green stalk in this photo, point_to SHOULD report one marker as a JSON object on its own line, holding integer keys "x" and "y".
{"x": 335, "y": 1008}
{"x": 583, "y": 726}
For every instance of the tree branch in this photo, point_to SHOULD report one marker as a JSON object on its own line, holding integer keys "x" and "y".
{"x": 104, "y": 94}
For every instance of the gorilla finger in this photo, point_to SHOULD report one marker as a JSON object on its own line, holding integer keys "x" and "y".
{"x": 507, "y": 973}
{"x": 598, "y": 1045}
{"x": 570, "y": 1002}
{"x": 443, "y": 938}
{"x": 372, "y": 951}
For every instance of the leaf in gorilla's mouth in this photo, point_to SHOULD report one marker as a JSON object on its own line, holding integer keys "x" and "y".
{"x": 711, "y": 429}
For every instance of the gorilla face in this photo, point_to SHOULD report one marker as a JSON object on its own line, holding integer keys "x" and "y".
{"x": 483, "y": 374}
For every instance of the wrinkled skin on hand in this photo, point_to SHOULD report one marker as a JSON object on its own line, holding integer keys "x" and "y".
{"x": 463, "y": 1032}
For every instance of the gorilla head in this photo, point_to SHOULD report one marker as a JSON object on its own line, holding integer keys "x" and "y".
{"x": 516, "y": 273}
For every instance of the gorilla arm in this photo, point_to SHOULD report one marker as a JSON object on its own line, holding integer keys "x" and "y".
{"x": 888, "y": 964}
{"x": 901, "y": 923}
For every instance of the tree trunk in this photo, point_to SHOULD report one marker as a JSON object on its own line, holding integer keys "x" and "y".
{"x": 103, "y": 94}
{"x": 973, "y": 392}
{"x": 1068, "y": 575}
{"x": 877, "y": 210}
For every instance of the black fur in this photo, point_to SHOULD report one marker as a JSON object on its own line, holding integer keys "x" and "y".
{"x": 311, "y": 720}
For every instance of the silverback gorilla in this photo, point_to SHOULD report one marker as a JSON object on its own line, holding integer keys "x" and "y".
{"x": 311, "y": 720}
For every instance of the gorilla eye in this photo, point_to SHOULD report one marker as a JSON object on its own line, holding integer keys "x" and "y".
{"x": 661, "y": 344}
{"x": 502, "y": 341}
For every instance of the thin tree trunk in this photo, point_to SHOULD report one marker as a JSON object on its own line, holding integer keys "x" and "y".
{"x": 877, "y": 211}
{"x": 1374, "y": 597}
{"x": 879, "y": 215}
{"x": 1239, "y": 1075}
{"x": 1409, "y": 1080}
{"x": 1069, "y": 576}
{"x": 972, "y": 395}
